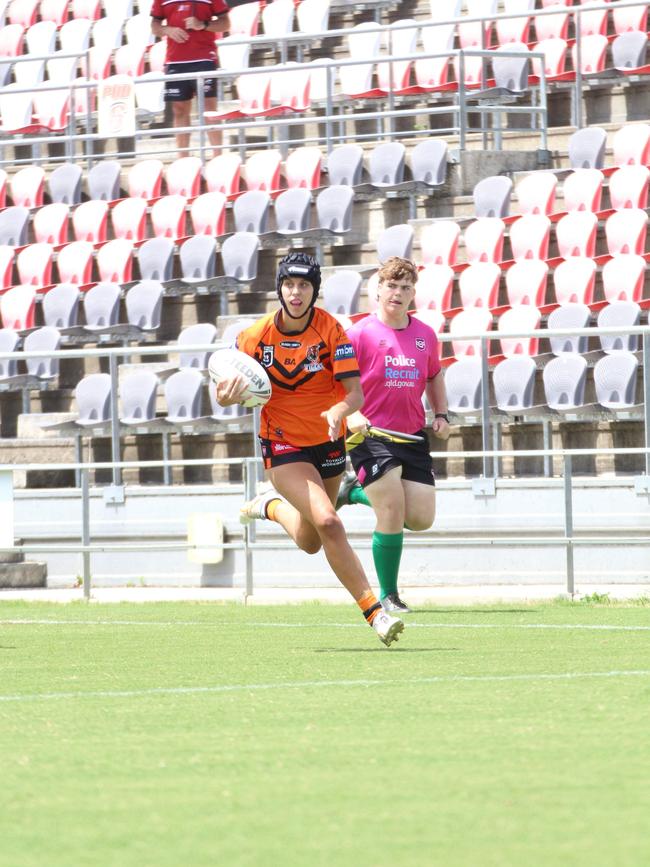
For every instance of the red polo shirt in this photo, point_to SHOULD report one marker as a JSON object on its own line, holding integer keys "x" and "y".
{"x": 201, "y": 44}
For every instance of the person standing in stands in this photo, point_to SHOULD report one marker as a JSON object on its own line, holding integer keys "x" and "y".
{"x": 189, "y": 26}
{"x": 315, "y": 385}
{"x": 399, "y": 362}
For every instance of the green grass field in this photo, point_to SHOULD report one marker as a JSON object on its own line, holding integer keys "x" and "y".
{"x": 203, "y": 734}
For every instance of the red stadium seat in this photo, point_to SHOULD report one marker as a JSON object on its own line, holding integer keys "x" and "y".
{"x": 593, "y": 54}
{"x": 624, "y": 278}
{"x": 54, "y": 10}
{"x": 11, "y": 40}
{"x": 552, "y": 26}
{"x": 6, "y": 265}
{"x": 183, "y": 177}
{"x": 145, "y": 179}
{"x": 526, "y": 282}
{"x": 536, "y": 193}
{"x": 91, "y": 9}
{"x": 439, "y": 243}
{"x": 129, "y": 59}
{"x": 27, "y": 187}
{"x": 263, "y": 171}
{"x": 222, "y": 174}
{"x": 434, "y": 288}
{"x": 484, "y": 240}
{"x": 630, "y": 18}
{"x": 576, "y": 234}
{"x": 303, "y": 168}
{"x": 244, "y": 20}
{"x": 583, "y": 190}
{"x": 208, "y": 214}
{"x": 23, "y": 12}
{"x": 34, "y": 265}
{"x": 631, "y": 145}
{"x": 17, "y": 308}
{"x": 478, "y": 285}
{"x": 472, "y": 320}
{"x": 129, "y": 219}
{"x": 50, "y": 224}
{"x": 626, "y": 231}
{"x": 529, "y": 237}
{"x": 515, "y": 29}
{"x": 574, "y": 280}
{"x": 523, "y": 317}
{"x": 90, "y": 220}
{"x": 75, "y": 263}
{"x": 554, "y": 51}
{"x": 115, "y": 261}
{"x": 628, "y": 187}
{"x": 168, "y": 217}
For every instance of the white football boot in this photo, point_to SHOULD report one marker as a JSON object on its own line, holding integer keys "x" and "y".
{"x": 387, "y": 628}
{"x": 255, "y": 509}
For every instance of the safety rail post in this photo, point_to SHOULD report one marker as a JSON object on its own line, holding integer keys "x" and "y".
{"x": 85, "y": 532}
{"x": 577, "y": 91}
{"x": 646, "y": 398}
{"x": 115, "y": 421}
{"x": 568, "y": 523}
{"x": 488, "y": 463}
{"x": 249, "y": 529}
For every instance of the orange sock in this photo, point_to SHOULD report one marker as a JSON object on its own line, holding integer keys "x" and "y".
{"x": 271, "y": 506}
{"x": 370, "y": 605}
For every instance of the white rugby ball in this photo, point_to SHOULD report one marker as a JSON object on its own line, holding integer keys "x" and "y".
{"x": 227, "y": 363}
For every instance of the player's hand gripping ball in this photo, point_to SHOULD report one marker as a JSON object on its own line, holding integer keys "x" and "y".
{"x": 226, "y": 364}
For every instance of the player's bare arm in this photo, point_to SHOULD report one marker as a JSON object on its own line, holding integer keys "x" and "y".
{"x": 352, "y": 402}
{"x": 437, "y": 397}
{"x": 176, "y": 34}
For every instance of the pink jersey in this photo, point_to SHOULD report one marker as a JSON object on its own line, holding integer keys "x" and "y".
{"x": 395, "y": 365}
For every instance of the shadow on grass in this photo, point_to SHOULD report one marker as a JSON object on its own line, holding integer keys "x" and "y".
{"x": 385, "y": 649}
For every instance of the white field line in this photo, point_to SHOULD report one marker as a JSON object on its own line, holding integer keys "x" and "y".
{"x": 324, "y": 625}
{"x": 308, "y": 684}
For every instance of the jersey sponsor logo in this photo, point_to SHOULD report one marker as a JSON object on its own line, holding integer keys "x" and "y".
{"x": 268, "y": 354}
{"x": 289, "y": 362}
{"x": 283, "y": 448}
{"x": 345, "y": 350}
{"x": 290, "y": 344}
{"x": 400, "y": 369}
{"x": 420, "y": 343}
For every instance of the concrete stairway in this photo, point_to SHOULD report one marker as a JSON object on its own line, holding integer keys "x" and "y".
{"x": 16, "y": 572}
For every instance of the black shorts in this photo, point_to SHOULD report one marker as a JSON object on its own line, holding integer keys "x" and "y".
{"x": 328, "y": 458}
{"x": 374, "y": 457}
{"x": 181, "y": 91}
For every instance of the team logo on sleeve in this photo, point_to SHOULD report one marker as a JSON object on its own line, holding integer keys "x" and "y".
{"x": 345, "y": 350}
{"x": 420, "y": 343}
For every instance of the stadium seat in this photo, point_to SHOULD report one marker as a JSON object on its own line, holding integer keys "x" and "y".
{"x": 432, "y": 73}
{"x": 631, "y": 145}
{"x": 138, "y": 397}
{"x": 569, "y": 315}
{"x": 90, "y": 220}
{"x": 122, "y": 9}
{"x": 513, "y": 380}
{"x": 222, "y": 174}
{"x": 435, "y": 319}
{"x": 183, "y": 177}
{"x": 16, "y": 109}
{"x": 522, "y": 317}
{"x": 99, "y": 61}
{"x": 303, "y": 168}
{"x": 293, "y": 212}
{"x": 45, "y": 339}
{"x": 14, "y": 223}
{"x": 75, "y": 263}
{"x": 9, "y": 342}
{"x": 576, "y": 234}
{"x": 40, "y": 38}
{"x": 183, "y": 396}
{"x": 290, "y": 89}
{"x": 74, "y": 37}
{"x": 208, "y": 214}
{"x": 345, "y": 165}
{"x": 60, "y": 306}
{"x": 628, "y": 187}
{"x": 239, "y": 255}
{"x": 107, "y": 33}
{"x": 129, "y": 60}
{"x": 428, "y": 160}
{"x": 625, "y": 314}
{"x": 587, "y": 148}
{"x": 244, "y": 19}
{"x": 492, "y": 196}
{"x": 169, "y": 217}
{"x": 156, "y": 259}
{"x": 102, "y": 306}
{"x": 263, "y": 170}
{"x": 6, "y": 266}
{"x": 463, "y": 380}
{"x": 439, "y": 242}
{"x": 334, "y": 208}
{"x": 386, "y": 164}
{"x": 194, "y": 335}
{"x": 478, "y": 285}
{"x": 615, "y": 380}
{"x": 552, "y": 26}
{"x": 198, "y": 259}
{"x": 27, "y": 187}
{"x": 593, "y": 22}
{"x": 477, "y": 33}
{"x": 251, "y": 212}
{"x": 626, "y": 231}
{"x": 12, "y": 37}
{"x": 574, "y": 280}
{"x": 554, "y": 62}
{"x": 93, "y": 397}
{"x": 529, "y": 237}
{"x": 64, "y": 184}
{"x": 233, "y": 56}
{"x": 104, "y": 181}
{"x": 395, "y": 76}
{"x": 51, "y": 110}
{"x": 17, "y": 308}
{"x": 115, "y": 261}
{"x": 395, "y": 241}
{"x": 34, "y": 265}
{"x": 434, "y": 288}
{"x": 526, "y": 282}
{"x": 143, "y": 304}
{"x": 129, "y": 219}
{"x": 623, "y": 278}
{"x": 583, "y": 190}
{"x": 341, "y": 292}
{"x": 23, "y": 12}
{"x": 277, "y": 18}
{"x": 564, "y": 381}
{"x": 593, "y": 54}
{"x": 511, "y": 73}
{"x": 156, "y": 55}
{"x": 471, "y": 320}
{"x": 313, "y": 16}
{"x": 630, "y": 53}
{"x": 484, "y": 240}
{"x": 137, "y": 29}
{"x": 515, "y": 29}
{"x": 536, "y": 193}
{"x": 50, "y": 224}
{"x": 630, "y": 18}
{"x": 145, "y": 179}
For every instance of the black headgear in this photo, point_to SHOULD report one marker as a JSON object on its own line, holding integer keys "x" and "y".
{"x": 298, "y": 265}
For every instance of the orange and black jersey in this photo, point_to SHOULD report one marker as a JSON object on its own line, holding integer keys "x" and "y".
{"x": 305, "y": 369}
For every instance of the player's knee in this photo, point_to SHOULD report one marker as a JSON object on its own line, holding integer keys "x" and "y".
{"x": 417, "y": 523}
{"x": 330, "y": 526}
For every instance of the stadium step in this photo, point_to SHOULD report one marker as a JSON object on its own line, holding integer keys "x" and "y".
{"x": 16, "y": 572}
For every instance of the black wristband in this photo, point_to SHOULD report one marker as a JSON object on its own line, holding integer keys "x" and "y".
{"x": 442, "y": 415}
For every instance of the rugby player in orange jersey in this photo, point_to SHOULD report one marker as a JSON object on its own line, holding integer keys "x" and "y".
{"x": 315, "y": 385}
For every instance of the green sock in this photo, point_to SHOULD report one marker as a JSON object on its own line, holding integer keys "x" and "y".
{"x": 387, "y": 553}
{"x": 358, "y": 495}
